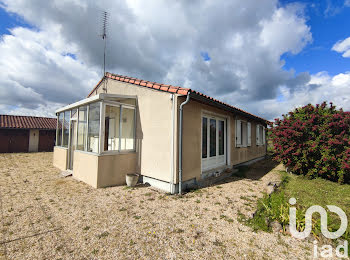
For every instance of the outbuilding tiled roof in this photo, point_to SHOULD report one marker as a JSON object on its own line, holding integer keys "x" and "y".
{"x": 27, "y": 122}
{"x": 167, "y": 88}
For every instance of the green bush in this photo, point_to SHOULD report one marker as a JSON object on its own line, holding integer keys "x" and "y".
{"x": 314, "y": 141}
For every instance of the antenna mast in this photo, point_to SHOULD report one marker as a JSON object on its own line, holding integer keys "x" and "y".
{"x": 105, "y": 16}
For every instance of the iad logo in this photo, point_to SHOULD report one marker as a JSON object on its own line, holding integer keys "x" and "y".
{"x": 326, "y": 249}
{"x": 308, "y": 221}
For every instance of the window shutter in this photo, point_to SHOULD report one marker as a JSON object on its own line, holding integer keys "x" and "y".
{"x": 249, "y": 134}
{"x": 264, "y": 135}
{"x": 257, "y": 134}
{"x": 238, "y": 133}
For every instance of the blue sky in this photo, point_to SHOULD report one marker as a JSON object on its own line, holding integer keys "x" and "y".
{"x": 10, "y": 20}
{"x": 327, "y": 27}
{"x": 233, "y": 53}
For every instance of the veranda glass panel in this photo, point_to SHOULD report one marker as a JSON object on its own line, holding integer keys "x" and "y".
{"x": 205, "y": 137}
{"x": 82, "y": 130}
{"x": 59, "y": 129}
{"x": 94, "y": 127}
{"x": 221, "y": 137}
{"x": 112, "y": 128}
{"x": 212, "y": 137}
{"x": 128, "y": 126}
{"x": 66, "y": 128}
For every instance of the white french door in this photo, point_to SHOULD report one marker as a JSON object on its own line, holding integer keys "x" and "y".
{"x": 213, "y": 142}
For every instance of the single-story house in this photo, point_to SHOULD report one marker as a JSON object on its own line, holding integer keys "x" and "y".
{"x": 173, "y": 137}
{"x": 27, "y": 134}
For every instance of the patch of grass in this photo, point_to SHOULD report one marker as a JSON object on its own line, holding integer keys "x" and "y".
{"x": 230, "y": 220}
{"x": 246, "y": 198}
{"x": 179, "y": 230}
{"x": 86, "y": 228}
{"x": 307, "y": 193}
{"x": 102, "y": 235}
{"x": 137, "y": 217}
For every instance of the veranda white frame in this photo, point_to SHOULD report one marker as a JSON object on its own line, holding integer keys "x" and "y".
{"x": 104, "y": 99}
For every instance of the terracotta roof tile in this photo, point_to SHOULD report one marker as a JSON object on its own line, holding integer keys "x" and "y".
{"x": 27, "y": 122}
{"x": 166, "y": 88}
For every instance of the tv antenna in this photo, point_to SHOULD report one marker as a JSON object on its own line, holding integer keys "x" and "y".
{"x": 104, "y": 27}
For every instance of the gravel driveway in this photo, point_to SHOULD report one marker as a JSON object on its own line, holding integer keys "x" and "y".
{"x": 45, "y": 216}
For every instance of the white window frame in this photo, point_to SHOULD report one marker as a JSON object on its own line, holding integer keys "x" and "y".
{"x": 209, "y": 163}
{"x": 242, "y": 133}
{"x": 102, "y": 127}
{"x": 260, "y": 141}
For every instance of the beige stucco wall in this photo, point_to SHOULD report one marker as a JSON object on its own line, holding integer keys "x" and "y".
{"x": 85, "y": 167}
{"x": 153, "y": 129}
{"x": 113, "y": 168}
{"x": 192, "y": 139}
{"x": 33, "y": 140}
{"x": 103, "y": 170}
{"x": 60, "y": 157}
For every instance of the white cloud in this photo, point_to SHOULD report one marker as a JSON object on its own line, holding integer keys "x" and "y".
{"x": 36, "y": 73}
{"x": 322, "y": 87}
{"x": 343, "y": 46}
{"x": 157, "y": 41}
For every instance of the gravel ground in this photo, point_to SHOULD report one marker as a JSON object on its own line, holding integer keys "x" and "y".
{"x": 45, "y": 216}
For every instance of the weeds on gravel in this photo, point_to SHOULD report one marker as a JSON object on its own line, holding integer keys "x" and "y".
{"x": 102, "y": 235}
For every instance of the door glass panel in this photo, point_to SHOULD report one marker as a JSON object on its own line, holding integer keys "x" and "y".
{"x": 205, "y": 137}
{"x": 94, "y": 128}
{"x": 221, "y": 138}
{"x": 128, "y": 127}
{"x": 66, "y": 128}
{"x": 112, "y": 128}
{"x": 212, "y": 137}
{"x": 82, "y": 131}
{"x": 59, "y": 129}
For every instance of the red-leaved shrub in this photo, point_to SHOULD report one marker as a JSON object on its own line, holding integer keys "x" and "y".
{"x": 314, "y": 141}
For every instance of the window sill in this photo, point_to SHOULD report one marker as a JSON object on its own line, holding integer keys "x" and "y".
{"x": 107, "y": 152}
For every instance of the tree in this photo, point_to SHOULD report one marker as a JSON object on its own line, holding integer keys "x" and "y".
{"x": 314, "y": 141}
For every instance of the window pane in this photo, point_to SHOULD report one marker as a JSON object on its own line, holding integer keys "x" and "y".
{"x": 112, "y": 128}
{"x": 261, "y": 134}
{"x": 74, "y": 113}
{"x": 212, "y": 137}
{"x": 59, "y": 129}
{"x": 94, "y": 127}
{"x": 82, "y": 131}
{"x": 66, "y": 128}
{"x": 221, "y": 137}
{"x": 128, "y": 125}
{"x": 204, "y": 137}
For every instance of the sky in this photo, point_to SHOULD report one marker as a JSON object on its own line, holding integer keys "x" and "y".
{"x": 266, "y": 57}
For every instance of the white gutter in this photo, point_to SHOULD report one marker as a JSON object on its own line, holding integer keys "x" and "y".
{"x": 172, "y": 191}
{"x": 180, "y": 141}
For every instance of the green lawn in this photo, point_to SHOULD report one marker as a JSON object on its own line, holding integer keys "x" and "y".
{"x": 307, "y": 193}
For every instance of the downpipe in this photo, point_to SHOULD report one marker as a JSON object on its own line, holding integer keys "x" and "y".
{"x": 180, "y": 140}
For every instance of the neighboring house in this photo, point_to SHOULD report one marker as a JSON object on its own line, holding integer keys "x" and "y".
{"x": 174, "y": 137}
{"x": 27, "y": 134}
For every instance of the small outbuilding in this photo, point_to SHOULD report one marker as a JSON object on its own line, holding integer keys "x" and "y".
{"x": 173, "y": 137}
{"x": 20, "y": 134}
